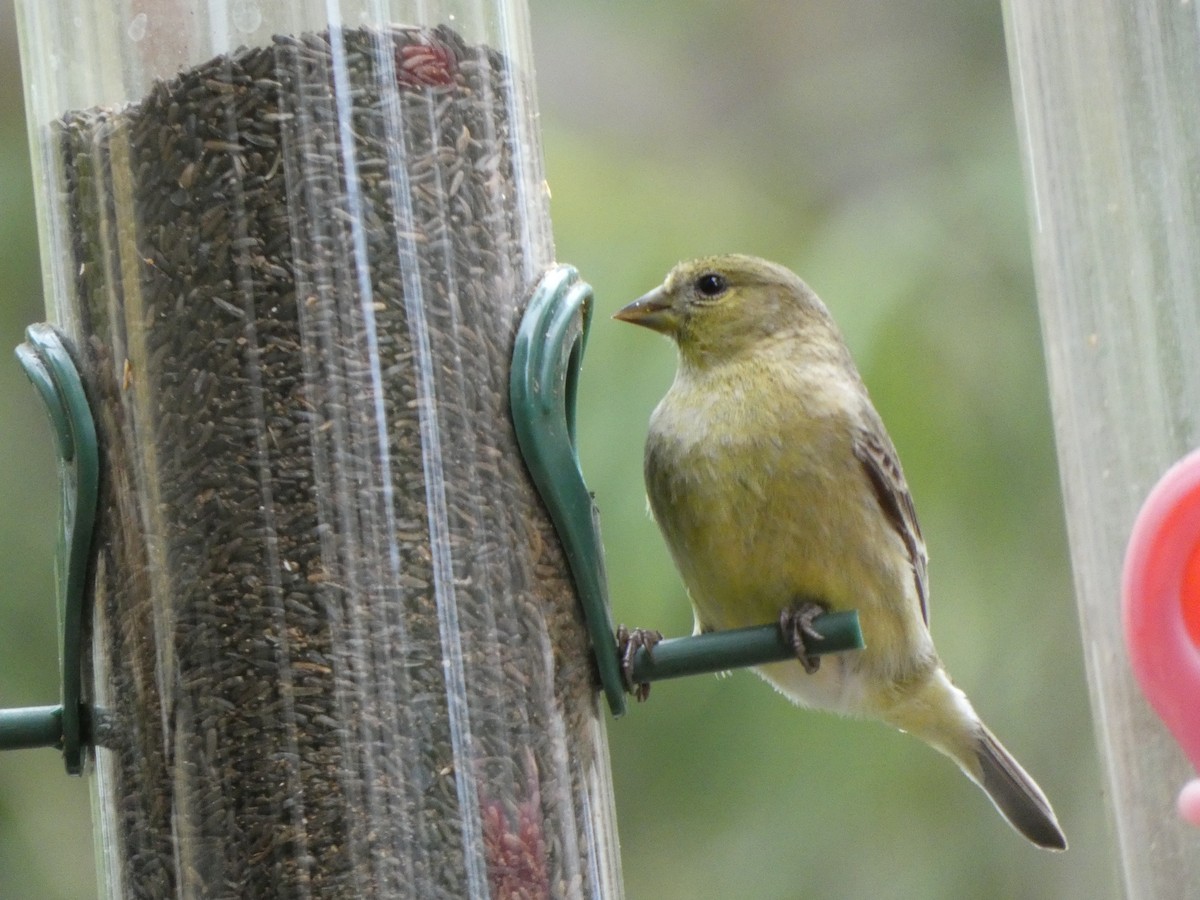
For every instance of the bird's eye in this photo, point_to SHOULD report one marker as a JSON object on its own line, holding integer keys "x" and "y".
{"x": 710, "y": 284}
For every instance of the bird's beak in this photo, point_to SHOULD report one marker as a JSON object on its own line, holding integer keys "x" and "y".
{"x": 655, "y": 311}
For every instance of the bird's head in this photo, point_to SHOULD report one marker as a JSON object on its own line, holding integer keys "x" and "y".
{"x": 718, "y": 307}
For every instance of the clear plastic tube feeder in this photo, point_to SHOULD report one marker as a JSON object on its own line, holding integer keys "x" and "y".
{"x": 1109, "y": 118}
{"x": 333, "y": 646}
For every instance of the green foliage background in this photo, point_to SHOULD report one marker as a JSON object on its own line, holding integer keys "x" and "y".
{"x": 871, "y": 147}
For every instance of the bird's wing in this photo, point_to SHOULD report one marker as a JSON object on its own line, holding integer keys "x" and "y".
{"x": 879, "y": 460}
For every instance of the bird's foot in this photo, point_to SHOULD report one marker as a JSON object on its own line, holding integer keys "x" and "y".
{"x": 796, "y": 623}
{"x": 628, "y": 643}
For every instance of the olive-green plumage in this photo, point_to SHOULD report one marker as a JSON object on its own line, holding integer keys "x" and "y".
{"x": 774, "y": 482}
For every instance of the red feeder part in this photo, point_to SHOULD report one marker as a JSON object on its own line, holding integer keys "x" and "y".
{"x": 1161, "y": 601}
{"x": 1189, "y": 802}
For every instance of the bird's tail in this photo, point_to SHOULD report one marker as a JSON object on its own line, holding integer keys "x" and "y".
{"x": 1015, "y": 794}
{"x": 940, "y": 714}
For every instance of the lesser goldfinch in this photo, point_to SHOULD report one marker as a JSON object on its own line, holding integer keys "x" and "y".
{"x": 779, "y": 494}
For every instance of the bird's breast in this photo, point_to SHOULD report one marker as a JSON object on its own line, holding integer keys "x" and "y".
{"x": 763, "y": 503}
{"x": 758, "y": 511}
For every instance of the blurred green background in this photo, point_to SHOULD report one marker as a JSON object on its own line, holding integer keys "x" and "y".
{"x": 871, "y": 147}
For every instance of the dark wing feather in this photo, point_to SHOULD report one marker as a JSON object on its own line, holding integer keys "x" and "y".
{"x": 878, "y": 457}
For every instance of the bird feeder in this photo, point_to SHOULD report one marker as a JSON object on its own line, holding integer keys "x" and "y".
{"x": 333, "y": 642}
{"x": 332, "y": 599}
{"x": 1109, "y": 121}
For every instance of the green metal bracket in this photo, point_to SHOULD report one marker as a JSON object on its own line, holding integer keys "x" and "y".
{"x": 542, "y": 386}
{"x": 47, "y": 362}
{"x": 720, "y": 651}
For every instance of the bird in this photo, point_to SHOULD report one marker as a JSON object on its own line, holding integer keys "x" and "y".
{"x": 780, "y": 496}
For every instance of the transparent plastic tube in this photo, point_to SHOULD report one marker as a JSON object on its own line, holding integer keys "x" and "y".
{"x": 334, "y": 648}
{"x": 1109, "y": 117}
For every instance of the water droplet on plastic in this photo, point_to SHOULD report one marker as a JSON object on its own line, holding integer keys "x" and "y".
{"x": 246, "y": 15}
{"x": 137, "y": 27}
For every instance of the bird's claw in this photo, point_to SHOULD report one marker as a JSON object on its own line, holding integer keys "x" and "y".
{"x": 796, "y": 623}
{"x": 628, "y": 643}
